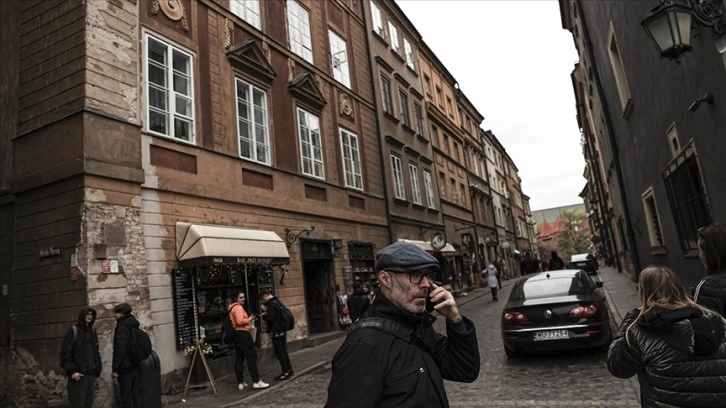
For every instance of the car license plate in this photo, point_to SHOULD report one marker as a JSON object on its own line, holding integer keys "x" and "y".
{"x": 551, "y": 335}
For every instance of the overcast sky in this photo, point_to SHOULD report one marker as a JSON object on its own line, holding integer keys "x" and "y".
{"x": 513, "y": 61}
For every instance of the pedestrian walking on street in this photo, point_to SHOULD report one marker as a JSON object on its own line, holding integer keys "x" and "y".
{"x": 123, "y": 368}
{"x": 556, "y": 262}
{"x": 275, "y": 328}
{"x": 358, "y": 302}
{"x": 711, "y": 291}
{"x": 244, "y": 345}
{"x": 491, "y": 274}
{"x": 81, "y": 360}
{"x": 675, "y": 346}
{"x": 392, "y": 356}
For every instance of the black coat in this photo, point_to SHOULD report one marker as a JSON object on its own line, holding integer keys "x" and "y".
{"x": 679, "y": 356}
{"x": 712, "y": 293}
{"x": 358, "y": 303}
{"x": 121, "y": 338}
{"x": 72, "y": 350}
{"x": 273, "y": 316}
{"x": 373, "y": 368}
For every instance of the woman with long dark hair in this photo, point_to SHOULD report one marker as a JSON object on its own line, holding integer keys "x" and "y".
{"x": 675, "y": 346}
{"x": 711, "y": 291}
{"x": 244, "y": 345}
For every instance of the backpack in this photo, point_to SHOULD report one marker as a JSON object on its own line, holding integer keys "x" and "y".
{"x": 139, "y": 345}
{"x": 227, "y": 330}
{"x": 287, "y": 319}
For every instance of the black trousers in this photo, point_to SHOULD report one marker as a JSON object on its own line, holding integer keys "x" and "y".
{"x": 494, "y": 293}
{"x": 80, "y": 393}
{"x": 244, "y": 349}
{"x": 129, "y": 389}
{"x": 279, "y": 343}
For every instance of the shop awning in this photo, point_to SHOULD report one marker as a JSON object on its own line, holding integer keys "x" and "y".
{"x": 447, "y": 250}
{"x": 199, "y": 244}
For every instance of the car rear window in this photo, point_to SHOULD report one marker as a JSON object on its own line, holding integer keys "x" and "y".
{"x": 579, "y": 258}
{"x": 551, "y": 287}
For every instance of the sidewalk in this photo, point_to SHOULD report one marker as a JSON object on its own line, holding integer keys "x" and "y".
{"x": 303, "y": 361}
{"x": 621, "y": 292}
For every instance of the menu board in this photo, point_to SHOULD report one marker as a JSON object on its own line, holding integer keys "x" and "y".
{"x": 185, "y": 307}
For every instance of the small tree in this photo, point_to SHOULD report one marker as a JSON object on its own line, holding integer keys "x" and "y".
{"x": 572, "y": 240}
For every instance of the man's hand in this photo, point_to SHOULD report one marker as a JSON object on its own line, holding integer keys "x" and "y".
{"x": 444, "y": 303}
{"x": 76, "y": 376}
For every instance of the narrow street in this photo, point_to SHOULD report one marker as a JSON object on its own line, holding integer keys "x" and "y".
{"x": 567, "y": 379}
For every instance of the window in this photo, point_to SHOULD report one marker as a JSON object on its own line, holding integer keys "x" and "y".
{"x": 351, "y": 160}
{"x": 403, "y": 99}
{"x": 475, "y": 163}
{"x": 462, "y": 194}
{"x": 652, "y": 220}
{"x": 415, "y": 187}
{"x": 435, "y": 136}
{"x": 410, "y": 60}
{"x": 387, "y": 99}
{"x": 439, "y": 98}
{"x": 446, "y": 144}
{"x": 621, "y": 81}
{"x": 339, "y": 57}
{"x": 442, "y": 183}
{"x": 252, "y": 126}
{"x": 454, "y": 193}
{"x": 687, "y": 197}
{"x": 298, "y": 30}
{"x": 427, "y": 84}
{"x": 247, "y": 10}
{"x": 377, "y": 20}
{"x": 311, "y": 145}
{"x": 429, "y": 185}
{"x": 672, "y": 135}
{"x": 398, "y": 189}
{"x": 419, "y": 118}
{"x": 170, "y": 107}
{"x": 393, "y": 31}
{"x": 449, "y": 109}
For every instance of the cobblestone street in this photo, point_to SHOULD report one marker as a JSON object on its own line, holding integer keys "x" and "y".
{"x": 570, "y": 379}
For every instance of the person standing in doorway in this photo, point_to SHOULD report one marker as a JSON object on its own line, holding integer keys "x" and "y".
{"x": 492, "y": 277}
{"x": 123, "y": 369}
{"x": 711, "y": 291}
{"x": 273, "y": 317}
{"x": 81, "y": 360}
{"x": 244, "y": 345}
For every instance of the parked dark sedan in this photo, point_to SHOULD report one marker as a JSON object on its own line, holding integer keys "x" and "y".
{"x": 555, "y": 310}
{"x": 586, "y": 262}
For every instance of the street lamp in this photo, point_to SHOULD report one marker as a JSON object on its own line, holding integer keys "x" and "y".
{"x": 669, "y": 24}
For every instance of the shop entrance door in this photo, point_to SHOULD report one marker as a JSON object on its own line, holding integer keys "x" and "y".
{"x": 319, "y": 292}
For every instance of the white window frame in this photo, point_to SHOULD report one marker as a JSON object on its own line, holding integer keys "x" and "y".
{"x": 351, "y": 159}
{"x": 377, "y": 20}
{"x": 429, "y": 186}
{"x": 410, "y": 60}
{"x": 415, "y": 187}
{"x": 655, "y": 232}
{"x": 399, "y": 190}
{"x": 298, "y": 31}
{"x": 247, "y": 10}
{"x": 172, "y": 97}
{"x": 393, "y": 31}
{"x": 311, "y": 144}
{"x": 256, "y": 121}
{"x": 339, "y": 58}
{"x": 404, "y": 107}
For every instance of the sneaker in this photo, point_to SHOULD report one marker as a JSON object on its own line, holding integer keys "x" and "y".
{"x": 280, "y": 377}
{"x": 260, "y": 384}
{"x": 241, "y": 386}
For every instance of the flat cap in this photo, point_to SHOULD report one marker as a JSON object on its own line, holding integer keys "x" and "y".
{"x": 405, "y": 255}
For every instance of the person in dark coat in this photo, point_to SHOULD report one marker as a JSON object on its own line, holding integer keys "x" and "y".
{"x": 273, "y": 316}
{"x": 123, "y": 369}
{"x": 676, "y": 347}
{"x": 556, "y": 262}
{"x": 377, "y": 368}
{"x": 711, "y": 291}
{"x": 358, "y": 302}
{"x": 81, "y": 360}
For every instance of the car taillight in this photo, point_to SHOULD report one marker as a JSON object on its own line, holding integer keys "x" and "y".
{"x": 512, "y": 317}
{"x": 590, "y": 310}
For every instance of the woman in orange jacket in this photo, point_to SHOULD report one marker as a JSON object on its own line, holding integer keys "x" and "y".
{"x": 244, "y": 345}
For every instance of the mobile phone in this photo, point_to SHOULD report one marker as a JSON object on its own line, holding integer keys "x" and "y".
{"x": 429, "y": 303}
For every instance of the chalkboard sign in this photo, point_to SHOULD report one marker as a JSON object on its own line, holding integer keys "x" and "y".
{"x": 185, "y": 308}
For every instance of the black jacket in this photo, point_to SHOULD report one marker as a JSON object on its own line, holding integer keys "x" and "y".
{"x": 73, "y": 353}
{"x": 121, "y": 337}
{"x": 679, "y": 356}
{"x": 358, "y": 303}
{"x": 712, "y": 293}
{"x": 376, "y": 369}
{"x": 273, "y": 316}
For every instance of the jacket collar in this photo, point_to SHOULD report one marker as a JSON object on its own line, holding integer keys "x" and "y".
{"x": 382, "y": 307}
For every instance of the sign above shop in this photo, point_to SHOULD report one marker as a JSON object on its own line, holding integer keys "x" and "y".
{"x": 50, "y": 251}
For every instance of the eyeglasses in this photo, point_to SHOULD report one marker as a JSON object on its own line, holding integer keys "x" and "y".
{"x": 415, "y": 277}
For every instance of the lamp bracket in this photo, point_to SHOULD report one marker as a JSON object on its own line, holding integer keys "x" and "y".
{"x": 291, "y": 235}
{"x": 710, "y": 13}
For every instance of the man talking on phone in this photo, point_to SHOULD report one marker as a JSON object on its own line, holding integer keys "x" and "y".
{"x": 392, "y": 356}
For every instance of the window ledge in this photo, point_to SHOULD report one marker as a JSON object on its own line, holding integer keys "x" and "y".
{"x": 398, "y": 55}
{"x": 418, "y": 206}
{"x": 408, "y": 129}
{"x": 400, "y": 201}
{"x": 391, "y": 116}
{"x": 659, "y": 250}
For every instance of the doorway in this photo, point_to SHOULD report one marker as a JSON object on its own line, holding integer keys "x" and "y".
{"x": 318, "y": 278}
